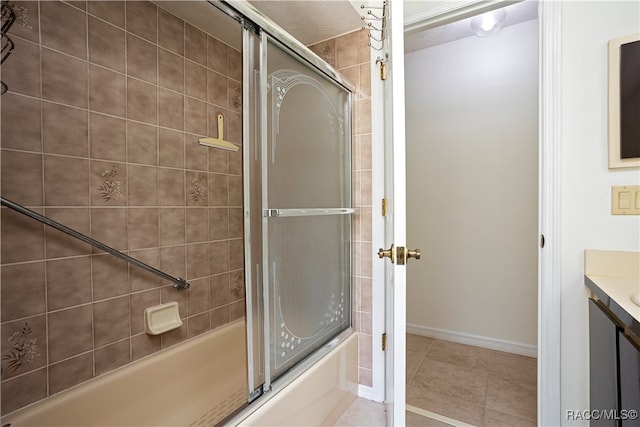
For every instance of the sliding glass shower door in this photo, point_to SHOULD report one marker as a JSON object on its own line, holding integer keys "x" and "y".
{"x": 306, "y": 198}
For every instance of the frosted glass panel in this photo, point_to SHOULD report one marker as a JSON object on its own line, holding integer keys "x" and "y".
{"x": 307, "y": 186}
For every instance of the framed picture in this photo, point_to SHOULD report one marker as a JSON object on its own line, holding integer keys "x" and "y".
{"x": 624, "y": 102}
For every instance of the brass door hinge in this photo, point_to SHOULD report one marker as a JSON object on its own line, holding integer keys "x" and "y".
{"x": 384, "y": 342}
{"x": 384, "y": 207}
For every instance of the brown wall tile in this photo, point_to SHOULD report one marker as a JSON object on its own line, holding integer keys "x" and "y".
{"x": 170, "y": 70}
{"x": 70, "y": 372}
{"x": 107, "y": 137}
{"x": 217, "y": 89}
{"x": 171, "y": 148}
{"x": 219, "y": 257}
{"x": 235, "y": 64}
{"x": 218, "y": 223}
{"x": 144, "y": 345}
{"x": 108, "y": 182}
{"x": 195, "y": 80}
{"x": 197, "y": 225}
{"x": 112, "y": 356}
{"x": 195, "y": 155}
{"x": 218, "y": 190}
{"x": 139, "y": 302}
{"x": 197, "y": 187}
{"x": 172, "y": 226}
{"x": 218, "y": 161}
{"x": 111, "y": 11}
{"x": 235, "y": 190}
{"x": 106, "y": 45}
{"x": 236, "y": 310}
{"x": 30, "y": 332}
{"x": 142, "y": 19}
{"x": 171, "y": 187}
{"x": 198, "y": 296}
{"x": 65, "y": 130}
{"x": 170, "y": 109}
{"x": 173, "y": 262}
{"x": 66, "y": 181}
{"x": 142, "y": 185}
{"x": 142, "y": 103}
{"x": 110, "y": 277}
{"x": 22, "y": 292}
{"x": 198, "y": 324}
{"x": 347, "y": 50}
{"x": 236, "y": 285}
{"x": 175, "y": 336}
{"x": 197, "y": 260}
{"x": 71, "y": 37}
{"x": 171, "y": 294}
{"x": 170, "y": 32}
{"x": 195, "y": 116}
{"x": 219, "y": 290}
{"x": 107, "y": 91}
{"x": 68, "y": 282}
{"x": 219, "y": 317}
{"x": 140, "y": 279}
{"x": 64, "y": 79}
{"x": 22, "y": 73}
{"x": 21, "y": 122}
{"x": 22, "y": 237}
{"x": 69, "y": 332}
{"x": 23, "y": 390}
{"x": 31, "y": 14}
{"x": 217, "y": 58}
{"x": 142, "y": 143}
{"x": 110, "y": 320}
{"x": 236, "y": 222}
{"x": 142, "y": 227}
{"x": 195, "y": 44}
{"x": 22, "y": 177}
{"x": 109, "y": 226}
{"x": 236, "y": 254}
{"x": 142, "y": 59}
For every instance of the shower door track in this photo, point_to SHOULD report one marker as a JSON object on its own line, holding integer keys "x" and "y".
{"x": 178, "y": 282}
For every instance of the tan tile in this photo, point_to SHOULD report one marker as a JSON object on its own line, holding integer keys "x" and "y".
{"x": 366, "y": 233}
{"x": 454, "y": 381}
{"x": 170, "y": 32}
{"x": 233, "y": 126}
{"x": 142, "y": 102}
{"x": 22, "y": 237}
{"x": 219, "y": 317}
{"x": 111, "y": 11}
{"x": 64, "y": 79}
{"x": 63, "y": 28}
{"x": 365, "y": 295}
{"x": 365, "y": 188}
{"x": 22, "y": 291}
{"x": 30, "y": 332}
{"x": 112, "y": 356}
{"x": 364, "y": 48}
{"x": 219, "y": 290}
{"x": 195, "y": 116}
{"x": 140, "y": 279}
{"x": 218, "y": 161}
{"x": 22, "y": 73}
{"x": 80, "y": 4}
{"x": 352, "y": 75}
{"x": 217, "y": 55}
{"x": 235, "y": 162}
{"x": 142, "y": 19}
{"x": 197, "y": 185}
{"x": 500, "y": 419}
{"x": 142, "y": 59}
{"x": 59, "y": 244}
{"x": 171, "y": 187}
{"x": 172, "y": 226}
{"x": 412, "y": 419}
{"x": 21, "y": 122}
{"x": 327, "y": 51}
{"x": 22, "y": 177}
{"x": 218, "y": 223}
{"x": 236, "y": 254}
{"x": 106, "y": 91}
{"x": 365, "y": 358}
{"x": 170, "y": 70}
{"x": 347, "y": 50}
{"x": 173, "y": 261}
{"x": 68, "y": 282}
{"x": 217, "y": 85}
{"x": 195, "y": 80}
{"x": 142, "y": 228}
{"x": 219, "y": 257}
{"x": 365, "y": 377}
{"x": 31, "y": 14}
{"x": 107, "y": 137}
{"x": 66, "y": 181}
{"x": 70, "y": 332}
{"x": 65, "y": 130}
{"x": 218, "y": 190}
{"x": 513, "y": 398}
{"x": 171, "y": 294}
{"x": 195, "y": 154}
{"x": 110, "y": 277}
{"x": 197, "y": 225}
{"x": 142, "y": 143}
{"x": 24, "y": 390}
{"x": 365, "y": 263}
{"x": 144, "y": 345}
{"x": 139, "y": 302}
{"x": 513, "y": 367}
{"x": 70, "y": 372}
{"x": 110, "y": 320}
{"x": 235, "y": 64}
{"x": 197, "y": 260}
{"x": 109, "y": 226}
{"x": 448, "y": 406}
{"x": 195, "y": 44}
{"x": 171, "y": 148}
{"x": 462, "y": 355}
{"x": 414, "y": 359}
{"x": 175, "y": 336}
{"x": 198, "y": 324}
{"x": 198, "y": 296}
{"x": 106, "y": 45}
{"x": 108, "y": 183}
{"x": 236, "y": 222}
{"x": 142, "y": 185}
{"x": 365, "y": 81}
{"x": 235, "y": 96}
{"x": 364, "y": 412}
{"x": 170, "y": 109}
{"x": 236, "y": 310}
{"x": 364, "y": 116}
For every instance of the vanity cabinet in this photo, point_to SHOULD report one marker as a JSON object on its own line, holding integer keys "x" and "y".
{"x": 614, "y": 369}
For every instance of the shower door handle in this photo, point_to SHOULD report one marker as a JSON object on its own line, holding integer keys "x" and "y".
{"x": 389, "y": 253}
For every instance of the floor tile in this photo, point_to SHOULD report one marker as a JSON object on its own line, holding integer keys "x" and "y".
{"x": 459, "y": 354}
{"x": 455, "y": 381}
{"x": 513, "y": 366}
{"x": 418, "y": 343}
{"x": 416, "y": 420}
{"x": 513, "y": 398}
{"x": 451, "y": 407}
{"x": 363, "y": 412}
{"x": 500, "y": 419}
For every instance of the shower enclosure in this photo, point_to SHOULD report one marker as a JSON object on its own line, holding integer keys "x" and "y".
{"x": 101, "y": 120}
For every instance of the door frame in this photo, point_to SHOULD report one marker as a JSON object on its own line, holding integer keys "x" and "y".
{"x": 549, "y": 209}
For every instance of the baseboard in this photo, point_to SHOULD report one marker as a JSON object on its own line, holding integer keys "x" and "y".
{"x": 475, "y": 340}
{"x": 365, "y": 392}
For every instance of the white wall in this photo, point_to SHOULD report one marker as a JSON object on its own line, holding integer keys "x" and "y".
{"x": 586, "y": 181}
{"x": 472, "y": 148}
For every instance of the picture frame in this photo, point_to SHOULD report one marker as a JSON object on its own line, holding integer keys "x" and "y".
{"x": 624, "y": 104}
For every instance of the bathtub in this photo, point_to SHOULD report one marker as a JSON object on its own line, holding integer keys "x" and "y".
{"x": 200, "y": 383}
{"x": 197, "y": 383}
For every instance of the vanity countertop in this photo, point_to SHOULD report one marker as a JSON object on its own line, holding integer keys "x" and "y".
{"x": 613, "y": 276}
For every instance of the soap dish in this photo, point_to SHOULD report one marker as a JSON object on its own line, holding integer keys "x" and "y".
{"x": 162, "y": 318}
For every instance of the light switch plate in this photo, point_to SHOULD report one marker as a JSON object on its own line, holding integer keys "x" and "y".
{"x": 625, "y": 200}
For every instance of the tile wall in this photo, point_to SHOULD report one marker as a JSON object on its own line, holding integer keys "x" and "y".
{"x": 350, "y": 54}
{"x": 100, "y": 126}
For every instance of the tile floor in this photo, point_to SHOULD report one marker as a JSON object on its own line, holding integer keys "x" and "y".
{"x": 466, "y": 384}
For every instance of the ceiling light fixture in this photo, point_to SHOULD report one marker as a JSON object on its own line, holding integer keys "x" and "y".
{"x": 488, "y": 23}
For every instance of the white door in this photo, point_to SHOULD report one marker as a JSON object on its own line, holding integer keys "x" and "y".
{"x": 395, "y": 221}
